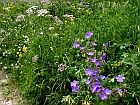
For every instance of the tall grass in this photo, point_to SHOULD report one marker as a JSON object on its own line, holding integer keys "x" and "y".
{"x": 33, "y": 48}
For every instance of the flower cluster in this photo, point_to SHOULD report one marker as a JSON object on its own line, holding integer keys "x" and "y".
{"x": 62, "y": 67}
{"x": 74, "y": 86}
{"x": 31, "y": 10}
{"x": 10, "y": 6}
{"x": 94, "y": 78}
{"x": 23, "y": 50}
{"x": 46, "y": 1}
{"x": 42, "y": 12}
{"x": 95, "y": 85}
{"x": 57, "y": 20}
{"x": 19, "y": 17}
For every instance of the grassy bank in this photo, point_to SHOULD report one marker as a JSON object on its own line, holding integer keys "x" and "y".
{"x": 45, "y": 47}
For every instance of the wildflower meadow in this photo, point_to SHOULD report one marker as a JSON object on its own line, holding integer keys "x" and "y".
{"x": 72, "y": 52}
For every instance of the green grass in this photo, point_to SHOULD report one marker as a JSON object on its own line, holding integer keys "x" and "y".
{"x": 39, "y": 81}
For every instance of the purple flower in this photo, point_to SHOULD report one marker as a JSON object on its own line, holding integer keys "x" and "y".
{"x": 93, "y": 43}
{"x": 82, "y": 48}
{"x": 75, "y": 89}
{"x": 88, "y": 81}
{"x": 96, "y": 83}
{"x": 90, "y": 53}
{"x": 76, "y": 44}
{"x": 107, "y": 91}
{"x": 98, "y": 64}
{"x": 103, "y": 57}
{"x": 102, "y": 96}
{"x": 74, "y": 83}
{"x": 74, "y": 86}
{"x": 95, "y": 87}
{"x": 91, "y": 72}
{"x": 102, "y": 77}
{"x": 88, "y": 34}
{"x": 95, "y": 72}
{"x": 119, "y": 90}
{"x": 105, "y": 44}
{"x": 120, "y": 78}
{"x": 96, "y": 78}
{"x": 93, "y": 60}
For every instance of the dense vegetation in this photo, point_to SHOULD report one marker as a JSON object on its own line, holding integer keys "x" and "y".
{"x": 49, "y": 50}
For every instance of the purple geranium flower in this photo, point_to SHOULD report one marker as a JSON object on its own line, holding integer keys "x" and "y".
{"x": 82, "y": 48}
{"x": 93, "y": 43}
{"x": 95, "y": 87}
{"x": 90, "y": 53}
{"x": 96, "y": 78}
{"x": 75, "y": 89}
{"x": 105, "y": 44}
{"x": 98, "y": 64}
{"x": 93, "y": 60}
{"x": 95, "y": 72}
{"x": 91, "y": 72}
{"x": 102, "y": 96}
{"x": 88, "y": 34}
{"x": 107, "y": 91}
{"x": 103, "y": 57}
{"x": 74, "y": 86}
{"x": 88, "y": 81}
{"x": 120, "y": 78}
{"x": 74, "y": 83}
{"x": 102, "y": 77}
{"x": 119, "y": 90}
{"x": 76, "y": 44}
{"x": 96, "y": 83}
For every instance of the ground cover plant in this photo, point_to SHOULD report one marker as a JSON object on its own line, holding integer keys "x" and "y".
{"x": 72, "y": 52}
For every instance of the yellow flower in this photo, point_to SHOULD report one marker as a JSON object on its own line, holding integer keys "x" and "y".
{"x": 120, "y": 63}
{"x": 20, "y": 55}
{"x": 71, "y": 19}
{"x": 73, "y": 7}
{"x": 3, "y": 21}
{"x": 3, "y": 8}
{"x": 65, "y": 21}
{"x": 113, "y": 65}
{"x": 17, "y": 52}
{"x": 24, "y": 49}
{"x": 10, "y": 6}
{"x": 89, "y": 12}
{"x": 51, "y": 48}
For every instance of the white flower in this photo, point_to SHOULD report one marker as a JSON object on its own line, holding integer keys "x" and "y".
{"x": 57, "y": 21}
{"x": 51, "y": 28}
{"x": 34, "y": 7}
{"x": 68, "y": 16}
{"x": 31, "y": 10}
{"x": 46, "y": 1}
{"x": 35, "y": 58}
{"x": 42, "y": 12}
{"x": 62, "y": 67}
{"x": 56, "y": 34}
{"x": 20, "y": 17}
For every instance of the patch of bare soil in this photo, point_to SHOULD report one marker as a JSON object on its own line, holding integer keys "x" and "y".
{"x": 8, "y": 95}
